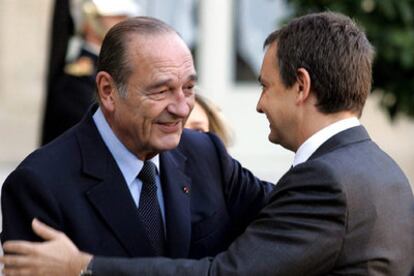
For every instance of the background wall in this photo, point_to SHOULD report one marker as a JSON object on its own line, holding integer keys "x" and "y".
{"x": 23, "y": 46}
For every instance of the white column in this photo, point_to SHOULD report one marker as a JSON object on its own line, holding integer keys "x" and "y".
{"x": 215, "y": 46}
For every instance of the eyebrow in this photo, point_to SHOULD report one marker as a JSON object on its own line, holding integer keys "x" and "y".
{"x": 192, "y": 77}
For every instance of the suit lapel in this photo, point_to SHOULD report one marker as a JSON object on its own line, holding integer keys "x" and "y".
{"x": 176, "y": 188}
{"x": 112, "y": 200}
{"x": 343, "y": 138}
{"x": 111, "y": 197}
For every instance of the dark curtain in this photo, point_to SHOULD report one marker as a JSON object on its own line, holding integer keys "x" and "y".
{"x": 61, "y": 29}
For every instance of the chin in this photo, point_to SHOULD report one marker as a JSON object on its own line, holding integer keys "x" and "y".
{"x": 273, "y": 139}
{"x": 169, "y": 142}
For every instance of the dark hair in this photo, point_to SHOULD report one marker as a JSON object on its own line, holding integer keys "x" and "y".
{"x": 336, "y": 54}
{"x": 113, "y": 57}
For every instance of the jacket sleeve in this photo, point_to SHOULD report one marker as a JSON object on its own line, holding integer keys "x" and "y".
{"x": 245, "y": 194}
{"x": 299, "y": 232}
{"x": 23, "y": 198}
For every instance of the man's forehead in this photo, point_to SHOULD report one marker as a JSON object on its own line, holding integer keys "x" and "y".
{"x": 143, "y": 39}
{"x": 271, "y": 57}
{"x": 271, "y": 49}
{"x": 158, "y": 47}
{"x": 167, "y": 70}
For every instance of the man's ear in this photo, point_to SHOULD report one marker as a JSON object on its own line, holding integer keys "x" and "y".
{"x": 106, "y": 90}
{"x": 303, "y": 84}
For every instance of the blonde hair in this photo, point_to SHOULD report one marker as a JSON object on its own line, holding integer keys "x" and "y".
{"x": 215, "y": 121}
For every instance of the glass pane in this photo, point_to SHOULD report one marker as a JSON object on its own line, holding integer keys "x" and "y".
{"x": 253, "y": 21}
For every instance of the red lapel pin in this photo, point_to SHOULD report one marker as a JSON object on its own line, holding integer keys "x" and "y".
{"x": 186, "y": 189}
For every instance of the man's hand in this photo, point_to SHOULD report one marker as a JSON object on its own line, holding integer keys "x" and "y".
{"x": 56, "y": 256}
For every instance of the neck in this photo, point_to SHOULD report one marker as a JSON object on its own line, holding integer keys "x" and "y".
{"x": 318, "y": 121}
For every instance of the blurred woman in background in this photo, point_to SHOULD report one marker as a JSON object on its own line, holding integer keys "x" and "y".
{"x": 206, "y": 117}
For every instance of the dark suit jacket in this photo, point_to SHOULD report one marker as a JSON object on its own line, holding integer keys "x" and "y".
{"x": 74, "y": 184}
{"x": 61, "y": 30}
{"x": 348, "y": 210}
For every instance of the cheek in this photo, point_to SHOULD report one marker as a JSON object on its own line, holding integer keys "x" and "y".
{"x": 149, "y": 111}
{"x": 149, "y": 116}
{"x": 145, "y": 123}
{"x": 275, "y": 112}
{"x": 138, "y": 120}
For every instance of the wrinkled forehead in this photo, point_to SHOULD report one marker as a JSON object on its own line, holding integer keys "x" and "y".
{"x": 154, "y": 47}
{"x": 156, "y": 44}
{"x": 161, "y": 54}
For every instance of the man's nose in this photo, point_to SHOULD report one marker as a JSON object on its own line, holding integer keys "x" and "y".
{"x": 180, "y": 105}
{"x": 259, "y": 105}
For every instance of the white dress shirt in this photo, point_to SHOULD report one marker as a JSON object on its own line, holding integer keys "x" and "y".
{"x": 127, "y": 162}
{"x": 316, "y": 140}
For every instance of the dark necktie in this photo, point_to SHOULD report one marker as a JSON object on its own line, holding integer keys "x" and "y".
{"x": 149, "y": 209}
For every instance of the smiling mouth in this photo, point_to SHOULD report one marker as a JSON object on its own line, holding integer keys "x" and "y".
{"x": 170, "y": 127}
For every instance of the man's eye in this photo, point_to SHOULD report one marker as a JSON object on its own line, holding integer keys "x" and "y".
{"x": 189, "y": 89}
{"x": 161, "y": 92}
{"x": 158, "y": 95}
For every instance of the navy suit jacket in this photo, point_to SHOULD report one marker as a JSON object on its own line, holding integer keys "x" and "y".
{"x": 348, "y": 210}
{"x": 74, "y": 185}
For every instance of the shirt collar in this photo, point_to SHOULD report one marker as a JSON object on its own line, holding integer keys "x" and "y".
{"x": 127, "y": 162}
{"x": 320, "y": 137}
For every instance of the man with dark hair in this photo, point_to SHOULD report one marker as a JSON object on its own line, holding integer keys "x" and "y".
{"x": 344, "y": 208}
{"x": 128, "y": 180}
